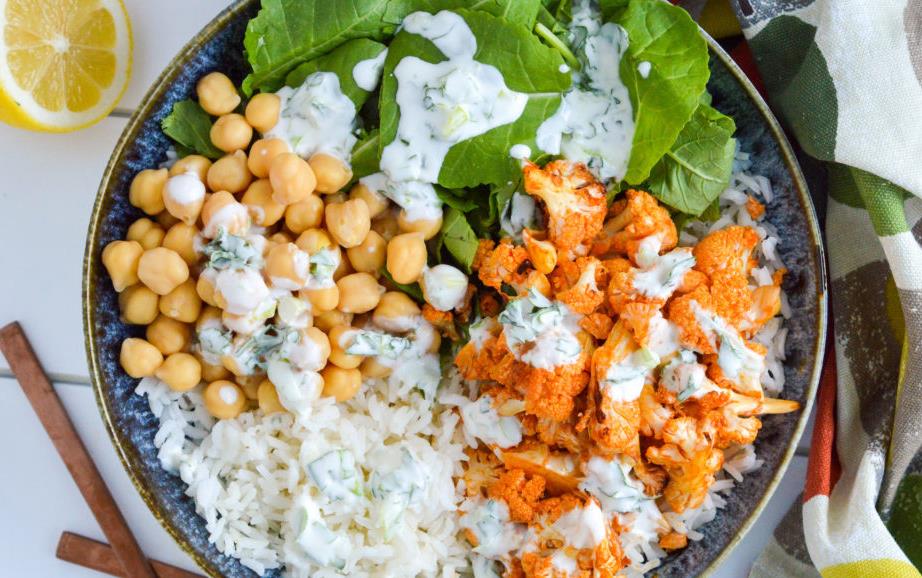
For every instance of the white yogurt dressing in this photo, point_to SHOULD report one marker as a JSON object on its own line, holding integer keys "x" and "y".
{"x": 253, "y": 320}
{"x": 314, "y": 538}
{"x": 416, "y": 198}
{"x": 520, "y": 152}
{"x": 482, "y": 421}
{"x": 624, "y": 380}
{"x": 444, "y": 103}
{"x": 444, "y": 287}
{"x": 184, "y": 189}
{"x": 665, "y": 275}
{"x": 294, "y": 312}
{"x": 231, "y": 217}
{"x": 242, "y": 289}
{"x": 683, "y": 375}
{"x": 519, "y": 213}
{"x": 595, "y": 121}
{"x": 643, "y": 69}
{"x": 323, "y": 264}
{"x": 610, "y": 482}
{"x": 482, "y": 330}
{"x": 316, "y": 117}
{"x": 497, "y": 537}
{"x": 297, "y": 389}
{"x": 548, "y": 327}
{"x": 579, "y": 528}
{"x": 737, "y": 361}
{"x": 367, "y": 73}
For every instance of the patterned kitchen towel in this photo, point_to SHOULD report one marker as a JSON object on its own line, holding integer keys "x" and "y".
{"x": 845, "y": 77}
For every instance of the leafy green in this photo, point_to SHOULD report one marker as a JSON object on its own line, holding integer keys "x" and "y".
{"x": 522, "y": 12}
{"x": 697, "y": 168}
{"x": 485, "y": 219}
{"x": 286, "y": 33}
{"x": 527, "y": 65}
{"x": 340, "y": 61}
{"x": 460, "y": 199}
{"x": 667, "y": 38}
{"x": 459, "y": 238}
{"x": 365, "y": 155}
{"x": 190, "y": 126}
{"x": 612, "y": 9}
{"x": 413, "y": 290}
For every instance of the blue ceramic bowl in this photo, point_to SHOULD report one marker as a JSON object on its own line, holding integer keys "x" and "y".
{"x": 132, "y": 426}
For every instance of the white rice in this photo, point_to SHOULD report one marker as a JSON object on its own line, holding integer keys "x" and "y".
{"x": 245, "y": 475}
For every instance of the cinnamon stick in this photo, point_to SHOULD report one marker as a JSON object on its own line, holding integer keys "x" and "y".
{"x": 89, "y": 553}
{"x": 63, "y": 434}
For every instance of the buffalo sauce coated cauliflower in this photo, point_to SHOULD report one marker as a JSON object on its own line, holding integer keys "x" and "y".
{"x": 636, "y": 220}
{"x": 573, "y": 199}
{"x": 727, "y": 252}
{"x": 586, "y": 292}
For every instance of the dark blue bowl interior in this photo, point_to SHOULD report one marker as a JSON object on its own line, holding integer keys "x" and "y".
{"x": 133, "y": 426}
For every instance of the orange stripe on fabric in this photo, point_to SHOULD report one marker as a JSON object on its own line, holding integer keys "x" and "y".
{"x": 880, "y": 568}
{"x": 823, "y": 468}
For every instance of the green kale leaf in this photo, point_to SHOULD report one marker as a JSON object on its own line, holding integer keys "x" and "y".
{"x": 668, "y": 39}
{"x": 527, "y": 65}
{"x": 286, "y": 33}
{"x": 523, "y": 12}
{"x": 340, "y": 61}
{"x": 190, "y": 126}
{"x": 365, "y": 155}
{"x": 697, "y": 168}
{"x": 458, "y": 237}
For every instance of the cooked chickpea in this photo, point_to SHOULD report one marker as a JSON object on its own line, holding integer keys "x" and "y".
{"x": 287, "y": 267}
{"x": 183, "y": 303}
{"x": 370, "y": 255}
{"x": 406, "y": 257}
{"x": 292, "y": 179}
{"x": 204, "y": 287}
{"x": 234, "y": 217}
{"x": 214, "y": 372}
{"x": 344, "y": 268}
{"x": 340, "y": 383}
{"x": 374, "y": 369}
{"x": 348, "y": 222}
{"x": 166, "y": 220}
{"x": 268, "y": 398}
{"x": 139, "y": 358}
{"x": 332, "y": 174}
{"x": 279, "y": 238}
{"x": 262, "y": 111}
{"x": 396, "y": 312}
{"x": 230, "y": 173}
{"x": 209, "y": 316}
{"x": 325, "y": 299}
{"x": 180, "y": 371}
{"x": 262, "y": 154}
{"x": 224, "y": 399}
{"x": 339, "y": 197}
{"x": 192, "y": 164}
{"x": 250, "y": 384}
{"x": 162, "y": 270}
{"x": 358, "y": 293}
{"x": 377, "y": 203}
{"x": 304, "y": 215}
{"x": 313, "y": 357}
{"x": 121, "y": 259}
{"x": 168, "y": 335}
{"x": 329, "y": 319}
{"x": 183, "y": 197}
{"x": 428, "y": 227}
{"x": 313, "y": 240}
{"x": 146, "y": 232}
{"x": 231, "y": 132}
{"x": 385, "y": 225}
{"x": 217, "y": 94}
{"x": 340, "y": 340}
{"x": 258, "y": 198}
{"x": 181, "y": 238}
{"x": 138, "y": 305}
{"x": 146, "y": 189}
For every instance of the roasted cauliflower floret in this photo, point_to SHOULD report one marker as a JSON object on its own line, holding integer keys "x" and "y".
{"x": 504, "y": 263}
{"x": 521, "y": 491}
{"x": 481, "y": 471}
{"x": 689, "y": 477}
{"x": 639, "y": 227}
{"x": 727, "y": 252}
{"x": 614, "y": 424}
{"x": 587, "y": 292}
{"x": 573, "y": 199}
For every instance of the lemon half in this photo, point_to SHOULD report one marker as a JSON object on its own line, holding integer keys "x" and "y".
{"x": 64, "y": 64}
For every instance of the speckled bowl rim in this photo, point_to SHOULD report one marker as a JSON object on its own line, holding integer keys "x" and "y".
{"x": 128, "y": 455}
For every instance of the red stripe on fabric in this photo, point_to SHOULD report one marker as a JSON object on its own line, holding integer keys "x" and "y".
{"x": 742, "y": 55}
{"x": 823, "y": 467}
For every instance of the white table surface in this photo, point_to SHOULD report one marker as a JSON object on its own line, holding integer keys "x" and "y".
{"x": 49, "y": 185}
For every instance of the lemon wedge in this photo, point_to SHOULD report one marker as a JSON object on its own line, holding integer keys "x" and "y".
{"x": 63, "y": 63}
